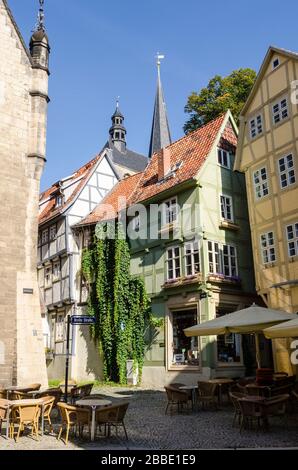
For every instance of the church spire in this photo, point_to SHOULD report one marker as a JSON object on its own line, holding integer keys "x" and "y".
{"x": 118, "y": 131}
{"x": 160, "y": 135}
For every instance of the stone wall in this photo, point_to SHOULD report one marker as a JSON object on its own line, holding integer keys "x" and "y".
{"x": 22, "y": 147}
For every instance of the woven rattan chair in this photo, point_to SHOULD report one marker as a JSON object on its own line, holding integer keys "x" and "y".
{"x": 235, "y": 397}
{"x": 73, "y": 417}
{"x": 19, "y": 396}
{"x": 3, "y": 412}
{"x": 51, "y": 392}
{"x": 251, "y": 412}
{"x": 207, "y": 394}
{"x": 24, "y": 416}
{"x": 112, "y": 416}
{"x": 3, "y": 394}
{"x": 48, "y": 403}
{"x": 78, "y": 393}
{"x": 176, "y": 397}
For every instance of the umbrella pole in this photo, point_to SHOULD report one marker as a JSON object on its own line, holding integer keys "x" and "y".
{"x": 258, "y": 353}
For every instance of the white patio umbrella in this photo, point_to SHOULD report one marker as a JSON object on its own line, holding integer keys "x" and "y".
{"x": 288, "y": 329}
{"x": 251, "y": 320}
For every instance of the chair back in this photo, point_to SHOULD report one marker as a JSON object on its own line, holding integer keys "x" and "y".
{"x": 3, "y": 394}
{"x": 277, "y": 405}
{"x": 250, "y": 408}
{"x": 65, "y": 411}
{"x": 207, "y": 389}
{"x": 19, "y": 396}
{"x": 48, "y": 403}
{"x": 26, "y": 413}
{"x": 260, "y": 391}
{"x": 112, "y": 414}
{"x": 3, "y": 409}
{"x": 235, "y": 397}
{"x": 81, "y": 392}
{"x": 51, "y": 392}
{"x": 175, "y": 395}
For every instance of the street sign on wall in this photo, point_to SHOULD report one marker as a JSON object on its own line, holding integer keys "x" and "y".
{"x": 83, "y": 320}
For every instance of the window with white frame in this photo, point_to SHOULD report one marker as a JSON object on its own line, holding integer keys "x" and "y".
{"x": 226, "y": 207}
{"x": 45, "y": 236}
{"x": 223, "y": 158}
{"x": 60, "y": 328}
{"x": 48, "y": 276}
{"x": 229, "y": 258}
{"x": 268, "y": 247}
{"x": 256, "y": 126}
{"x": 56, "y": 271}
{"x": 286, "y": 171}
{"x": 292, "y": 239}
{"x": 222, "y": 259}
{"x": 173, "y": 263}
{"x": 214, "y": 257}
{"x": 261, "y": 185}
{"x": 136, "y": 221}
{"x": 280, "y": 111}
{"x": 53, "y": 232}
{"x": 170, "y": 211}
{"x": 192, "y": 258}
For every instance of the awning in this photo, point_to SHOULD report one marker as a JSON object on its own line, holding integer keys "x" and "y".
{"x": 288, "y": 329}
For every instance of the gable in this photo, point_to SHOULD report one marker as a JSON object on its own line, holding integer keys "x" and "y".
{"x": 17, "y": 36}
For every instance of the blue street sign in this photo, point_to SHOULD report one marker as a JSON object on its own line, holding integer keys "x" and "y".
{"x": 83, "y": 320}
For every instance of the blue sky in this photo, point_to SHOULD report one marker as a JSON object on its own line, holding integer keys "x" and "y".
{"x": 102, "y": 49}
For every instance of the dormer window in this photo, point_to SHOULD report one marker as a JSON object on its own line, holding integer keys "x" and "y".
{"x": 275, "y": 63}
{"x": 59, "y": 200}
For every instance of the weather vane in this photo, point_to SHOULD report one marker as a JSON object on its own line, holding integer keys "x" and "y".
{"x": 40, "y": 19}
{"x": 159, "y": 57}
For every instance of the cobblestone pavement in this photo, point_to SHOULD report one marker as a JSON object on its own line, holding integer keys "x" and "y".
{"x": 149, "y": 428}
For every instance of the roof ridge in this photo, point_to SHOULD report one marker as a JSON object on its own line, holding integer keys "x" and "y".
{"x": 194, "y": 131}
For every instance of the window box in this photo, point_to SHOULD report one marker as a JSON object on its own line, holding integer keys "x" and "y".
{"x": 221, "y": 278}
{"x": 226, "y": 225}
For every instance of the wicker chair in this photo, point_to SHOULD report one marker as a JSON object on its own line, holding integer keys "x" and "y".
{"x": 73, "y": 417}
{"x": 235, "y": 397}
{"x": 176, "y": 397}
{"x": 3, "y": 412}
{"x": 78, "y": 393}
{"x": 275, "y": 406}
{"x": 257, "y": 390}
{"x": 31, "y": 388}
{"x": 48, "y": 403}
{"x": 3, "y": 394}
{"x": 24, "y": 416}
{"x": 207, "y": 394}
{"x": 251, "y": 412}
{"x": 112, "y": 416}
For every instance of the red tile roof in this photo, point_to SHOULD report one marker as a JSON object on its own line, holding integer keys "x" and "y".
{"x": 117, "y": 199}
{"x": 191, "y": 151}
{"x": 50, "y": 210}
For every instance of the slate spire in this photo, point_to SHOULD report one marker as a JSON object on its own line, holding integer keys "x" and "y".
{"x": 118, "y": 130}
{"x": 160, "y": 134}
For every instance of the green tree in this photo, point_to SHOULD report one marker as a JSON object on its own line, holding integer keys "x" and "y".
{"x": 221, "y": 94}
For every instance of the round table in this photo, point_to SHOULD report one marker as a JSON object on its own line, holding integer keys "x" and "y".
{"x": 93, "y": 404}
{"x": 220, "y": 382}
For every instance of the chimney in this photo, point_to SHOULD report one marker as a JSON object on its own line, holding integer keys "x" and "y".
{"x": 164, "y": 162}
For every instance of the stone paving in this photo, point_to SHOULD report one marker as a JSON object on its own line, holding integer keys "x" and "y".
{"x": 149, "y": 428}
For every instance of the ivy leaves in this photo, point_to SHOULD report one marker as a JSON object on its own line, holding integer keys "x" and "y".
{"x": 119, "y": 302}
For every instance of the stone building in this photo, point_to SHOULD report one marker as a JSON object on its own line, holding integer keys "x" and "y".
{"x": 23, "y": 116}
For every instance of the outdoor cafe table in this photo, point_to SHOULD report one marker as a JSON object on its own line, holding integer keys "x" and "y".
{"x": 93, "y": 404}
{"x": 193, "y": 389}
{"x": 220, "y": 383}
{"x": 25, "y": 402}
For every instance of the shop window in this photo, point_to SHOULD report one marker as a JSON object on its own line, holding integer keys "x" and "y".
{"x": 228, "y": 346}
{"x": 185, "y": 351}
